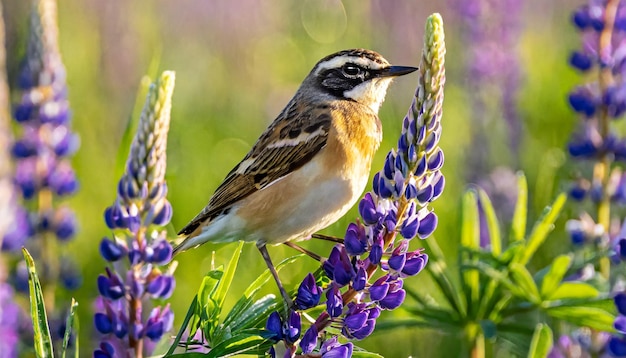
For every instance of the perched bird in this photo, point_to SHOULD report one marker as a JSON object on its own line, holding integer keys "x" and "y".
{"x": 310, "y": 165}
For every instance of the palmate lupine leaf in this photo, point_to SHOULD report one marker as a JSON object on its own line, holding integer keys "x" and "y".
{"x": 241, "y": 331}
{"x": 524, "y": 280}
{"x": 247, "y": 312}
{"x": 542, "y": 228}
{"x": 213, "y": 291}
{"x": 541, "y": 343}
{"x": 42, "y": 339}
{"x": 555, "y": 274}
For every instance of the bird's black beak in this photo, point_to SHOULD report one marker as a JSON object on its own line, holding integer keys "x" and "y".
{"x": 394, "y": 71}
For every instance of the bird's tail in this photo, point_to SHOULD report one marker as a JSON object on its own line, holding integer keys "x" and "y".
{"x": 191, "y": 241}
{"x": 179, "y": 248}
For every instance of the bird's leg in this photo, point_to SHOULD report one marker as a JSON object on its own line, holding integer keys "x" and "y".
{"x": 311, "y": 254}
{"x": 328, "y": 238}
{"x": 268, "y": 261}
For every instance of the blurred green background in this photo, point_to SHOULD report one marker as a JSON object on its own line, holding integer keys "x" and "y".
{"x": 237, "y": 64}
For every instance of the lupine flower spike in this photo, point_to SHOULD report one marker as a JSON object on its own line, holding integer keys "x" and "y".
{"x": 138, "y": 247}
{"x": 9, "y": 226}
{"x": 602, "y": 24}
{"x": 41, "y": 152}
{"x": 603, "y": 29}
{"x": 392, "y": 214}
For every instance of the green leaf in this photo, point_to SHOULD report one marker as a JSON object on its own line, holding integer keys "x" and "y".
{"x": 226, "y": 281}
{"x": 397, "y": 323}
{"x": 555, "y": 275}
{"x": 542, "y": 228}
{"x": 591, "y": 317}
{"x": 362, "y": 354}
{"x": 470, "y": 238}
{"x": 518, "y": 225}
{"x": 247, "y": 313}
{"x": 191, "y": 312}
{"x": 443, "y": 277}
{"x": 524, "y": 280}
{"x": 266, "y": 275}
{"x": 208, "y": 286}
{"x": 42, "y": 339}
{"x": 499, "y": 276}
{"x": 568, "y": 290}
{"x": 69, "y": 324}
{"x": 492, "y": 223}
{"x": 436, "y": 315}
{"x": 541, "y": 343}
{"x": 239, "y": 344}
{"x": 470, "y": 225}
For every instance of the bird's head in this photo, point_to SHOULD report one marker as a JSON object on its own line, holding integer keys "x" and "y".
{"x": 359, "y": 75}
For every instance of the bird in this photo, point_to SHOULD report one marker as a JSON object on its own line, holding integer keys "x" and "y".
{"x": 309, "y": 167}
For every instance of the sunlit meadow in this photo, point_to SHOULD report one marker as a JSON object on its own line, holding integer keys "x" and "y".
{"x": 533, "y": 99}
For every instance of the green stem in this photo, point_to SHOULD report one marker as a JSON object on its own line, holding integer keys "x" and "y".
{"x": 49, "y": 254}
{"x": 475, "y": 340}
{"x": 603, "y": 167}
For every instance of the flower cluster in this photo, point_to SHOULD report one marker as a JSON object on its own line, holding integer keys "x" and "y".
{"x": 398, "y": 205}
{"x": 138, "y": 245}
{"x": 602, "y": 24}
{"x": 617, "y": 343}
{"x": 43, "y": 173}
{"x": 582, "y": 343}
{"x": 10, "y": 317}
{"x": 603, "y": 27}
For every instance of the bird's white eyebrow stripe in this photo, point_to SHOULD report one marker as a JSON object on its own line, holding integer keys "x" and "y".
{"x": 342, "y": 60}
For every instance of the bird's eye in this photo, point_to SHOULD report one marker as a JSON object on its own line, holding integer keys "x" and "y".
{"x": 351, "y": 70}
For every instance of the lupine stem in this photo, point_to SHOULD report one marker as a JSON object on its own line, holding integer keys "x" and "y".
{"x": 603, "y": 167}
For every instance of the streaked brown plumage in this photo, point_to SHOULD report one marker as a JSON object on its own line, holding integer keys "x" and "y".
{"x": 310, "y": 165}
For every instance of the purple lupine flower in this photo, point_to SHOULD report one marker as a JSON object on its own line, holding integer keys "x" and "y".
{"x": 603, "y": 50}
{"x": 398, "y": 205}
{"x": 617, "y": 343}
{"x": 309, "y": 293}
{"x": 41, "y": 153}
{"x": 10, "y": 316}
{"x": 583, "y": 343}
{"x": 138, "y": 245}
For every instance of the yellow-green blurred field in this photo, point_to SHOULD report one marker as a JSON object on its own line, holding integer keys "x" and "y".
{"x": 237, "y": 63}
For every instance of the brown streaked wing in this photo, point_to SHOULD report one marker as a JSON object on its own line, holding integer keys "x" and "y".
{"x": 270, "y": 163}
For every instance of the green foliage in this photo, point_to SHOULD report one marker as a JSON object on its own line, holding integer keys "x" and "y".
{"x": 71, "y": 323}
{"x": 541, "y": 343}
{"x": 238, "y": 331}
{"x": 42, "y": 338}
{"x": 495, "y": 295}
